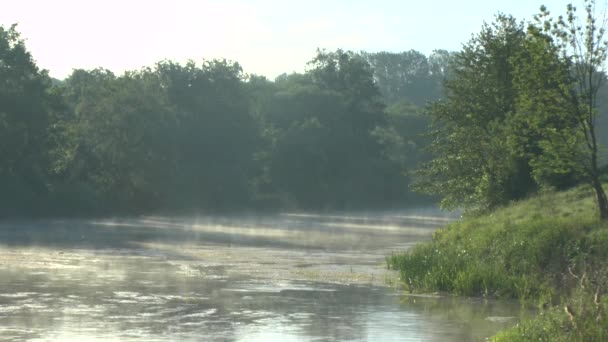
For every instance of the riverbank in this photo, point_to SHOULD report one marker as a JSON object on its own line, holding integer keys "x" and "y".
{"x": 550, "y": 250}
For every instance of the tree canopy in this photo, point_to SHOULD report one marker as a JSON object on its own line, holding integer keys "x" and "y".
{"x": 473, "y": 165}
{"x": 560, "y": 79}
{"x": 202, "y": 137}
{"x": 520, "y": 112}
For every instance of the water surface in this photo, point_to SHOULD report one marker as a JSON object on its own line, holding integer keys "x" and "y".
{"x": 289, "y": 277}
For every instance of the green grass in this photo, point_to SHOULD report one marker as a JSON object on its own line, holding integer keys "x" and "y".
{"x": 589, "y": 322}
{"x": 544, "y": 250}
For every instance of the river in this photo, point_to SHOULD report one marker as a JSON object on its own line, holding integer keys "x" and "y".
{"x": 287, "y": 277}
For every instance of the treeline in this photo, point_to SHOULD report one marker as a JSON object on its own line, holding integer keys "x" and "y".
{"x": 515, "y": 111}
{"x": 205, "y": 137}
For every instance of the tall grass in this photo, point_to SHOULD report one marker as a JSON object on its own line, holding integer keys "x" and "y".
{"x": 582, "y": 317}
{"x": 545, "y": 250}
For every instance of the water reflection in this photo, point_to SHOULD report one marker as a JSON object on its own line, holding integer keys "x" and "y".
{"x": 292, "y": 278}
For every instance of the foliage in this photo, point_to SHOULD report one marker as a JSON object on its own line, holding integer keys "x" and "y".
{"x": 184, "y": 137}
{"x": 215, "y": 134}
{"x": 403, "y": 137}
{"x": 520, "y": 113}
{"x": 26, "y": 103}
{"x": 111, "y": 137}
{"x": 559, "y": 81}
{"x": 473, "y": 164}
{"x": 324, "y": 125}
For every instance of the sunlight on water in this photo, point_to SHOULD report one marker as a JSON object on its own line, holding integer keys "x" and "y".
{"x": 296, "y": 277}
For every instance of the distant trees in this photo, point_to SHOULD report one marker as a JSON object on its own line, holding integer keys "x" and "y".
{"x": 325, "y": 153}
{"x": 215, "y": 136}
{"x": 410, "y": 76}
{"x": 206, "y": 136}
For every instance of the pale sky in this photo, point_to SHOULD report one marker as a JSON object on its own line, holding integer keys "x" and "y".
{"x": 266, "y": 37}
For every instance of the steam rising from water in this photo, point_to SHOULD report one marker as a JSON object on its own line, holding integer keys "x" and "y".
{"x": 288, "y": 277}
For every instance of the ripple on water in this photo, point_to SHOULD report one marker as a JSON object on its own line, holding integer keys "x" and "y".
{"x": 301, "y": 315}
{"x": 126, "y": 294}
{"x": 15, "y": 330}
{"x": 18, "y": 294}
{"x": 174, "y": 312}
{"x": 38, "y": 307}
{"x": 83, "y": 309}
{"x": 202, "y": 314}
{"x": 277, "y": 288}
{"x": 9, "y": 308}
{"x": 123, "y": 317}
{"x": 121, "y": 301}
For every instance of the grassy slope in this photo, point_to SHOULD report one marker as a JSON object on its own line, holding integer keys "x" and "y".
{"x": 549, "y": 250}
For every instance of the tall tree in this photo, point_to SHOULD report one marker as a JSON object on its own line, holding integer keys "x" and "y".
{"x": 473, "y": 165}
{"x": 25, "y": 105}
{"x": 561, "y": 80}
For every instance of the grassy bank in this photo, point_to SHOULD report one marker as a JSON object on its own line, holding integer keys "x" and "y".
{"x": 549, "y": 250}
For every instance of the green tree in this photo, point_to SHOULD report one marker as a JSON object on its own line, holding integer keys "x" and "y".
{"x": 403, "y": 138}
{"x": 260, "y": 92}
{"x": 325, "y": 127}
{"x": 301, "y": 118}
{"x": 560, "y": 80}
{"x": 473, "y": 165}
{"x": 113, "y": 138}
{"x": 216, "y": 134}
{"x": 26, "y": 102}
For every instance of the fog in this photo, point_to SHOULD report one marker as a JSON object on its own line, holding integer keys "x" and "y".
{"x": 285, "y": 277}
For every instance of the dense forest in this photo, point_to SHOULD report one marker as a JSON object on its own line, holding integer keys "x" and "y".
{"x": 475, "y": 129}
{"x": 345, "y": 134}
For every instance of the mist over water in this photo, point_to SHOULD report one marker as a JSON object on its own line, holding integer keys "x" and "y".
{"x": 287, "y": 277}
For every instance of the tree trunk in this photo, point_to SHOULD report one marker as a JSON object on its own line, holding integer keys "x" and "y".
{"x": 602, "y": 201}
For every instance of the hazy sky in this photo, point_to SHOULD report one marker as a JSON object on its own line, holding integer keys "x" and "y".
{"x": 267, "y": 37}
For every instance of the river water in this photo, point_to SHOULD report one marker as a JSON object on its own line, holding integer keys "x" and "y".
{"x": 288, "y": 277}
